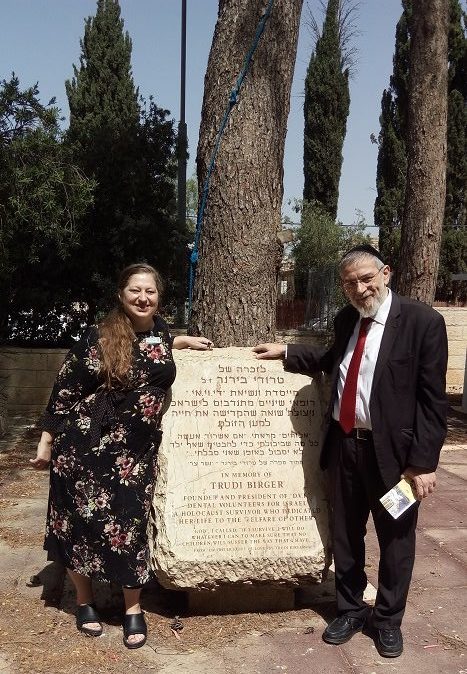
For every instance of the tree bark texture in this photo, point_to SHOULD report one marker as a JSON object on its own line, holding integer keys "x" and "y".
{"x": 239, "y": 253}
{"x": 426, "y": 151}
{"x": 3, "y": 404}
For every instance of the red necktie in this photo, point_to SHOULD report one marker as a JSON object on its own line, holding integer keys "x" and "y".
{"x": 349, "y": 394}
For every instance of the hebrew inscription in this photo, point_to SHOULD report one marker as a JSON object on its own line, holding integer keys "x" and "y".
{"x": 241, "y": 440}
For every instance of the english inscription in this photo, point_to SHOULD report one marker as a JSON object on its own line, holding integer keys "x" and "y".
{"x": 239, "y": 476}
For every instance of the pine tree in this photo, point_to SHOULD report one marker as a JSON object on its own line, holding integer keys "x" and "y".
{"x": 239, "y": 254}
{"x": 425, "y": 193}
{"x": 128, "y": 148}
{"x": 326, "y": 108}
{"x": 392, "y": 154}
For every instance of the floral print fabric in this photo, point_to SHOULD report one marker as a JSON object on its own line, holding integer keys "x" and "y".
{"x": 103, "y": 459}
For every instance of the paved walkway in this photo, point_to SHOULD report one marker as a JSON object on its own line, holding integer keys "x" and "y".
{"x": 37, "y": 632}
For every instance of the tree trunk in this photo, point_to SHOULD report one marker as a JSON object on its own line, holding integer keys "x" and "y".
{"x": 426, "y": 150}
{"x": 240, "y": 253}
{"x": 3, "y": 404}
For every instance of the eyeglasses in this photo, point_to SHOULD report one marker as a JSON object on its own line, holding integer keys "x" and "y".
{"x": 365, "y": 280}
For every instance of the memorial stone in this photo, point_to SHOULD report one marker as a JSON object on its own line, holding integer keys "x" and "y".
{"x": 239, "y": 496}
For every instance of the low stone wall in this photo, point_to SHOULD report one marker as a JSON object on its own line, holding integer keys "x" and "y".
{"x": 27, "y": 374}
{"x": 456, "y": 324}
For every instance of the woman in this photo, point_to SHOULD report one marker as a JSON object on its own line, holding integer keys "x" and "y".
{"x": 101, "y": 432}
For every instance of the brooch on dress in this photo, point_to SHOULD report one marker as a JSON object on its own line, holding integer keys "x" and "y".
{"x": 153, "y": 339}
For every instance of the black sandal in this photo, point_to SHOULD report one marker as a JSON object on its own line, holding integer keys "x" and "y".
{"x": 86, "y": 613}
{"x": 134, "y": 623}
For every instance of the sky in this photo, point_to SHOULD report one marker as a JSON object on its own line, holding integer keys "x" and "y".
{"x": 39, "y": 41}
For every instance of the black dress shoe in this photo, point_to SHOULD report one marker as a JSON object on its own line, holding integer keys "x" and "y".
{"x": 342, "y": 629}
{"x": 389, "y": 642}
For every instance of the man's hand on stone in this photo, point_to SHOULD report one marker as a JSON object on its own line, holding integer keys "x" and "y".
{"x": 423, "y": 483}
{"x": 270, "y": 350}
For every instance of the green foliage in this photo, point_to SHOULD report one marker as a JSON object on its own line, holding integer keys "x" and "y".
{"x": 104, "y": 112}
{"x": 392, "y": 156}
{"x": 321, "y": 241}
{"x": 319, "y": 238}
{"x": 390, "y": 179}
{"x": 326, "y": 108}
{"x": 71, "y": 254}
{"x": 42, "y": 195}
{"x": 47, "y": 194}
{"x": 191, "y": 202}
{"x": 456, "y": 169}
{"x": 355, "y": 234}
{"x": 128, "y": 147}
{"x": 453, "y": 260}
{"x": 21, "y": 111}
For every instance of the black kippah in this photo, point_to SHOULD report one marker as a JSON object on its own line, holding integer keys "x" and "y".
{"x": 364, "y": 248}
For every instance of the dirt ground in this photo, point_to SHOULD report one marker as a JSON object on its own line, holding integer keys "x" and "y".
{"x": 40, "y": 639}
{"x": 37, "y": 626}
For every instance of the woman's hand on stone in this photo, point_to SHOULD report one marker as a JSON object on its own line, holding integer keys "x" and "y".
{"x": 189, "y": 342}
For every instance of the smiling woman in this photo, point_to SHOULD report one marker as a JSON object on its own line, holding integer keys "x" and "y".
{"x": 101, "y": 433}
{"x": 140, "y": 298}
{"x": 139, "y": 289}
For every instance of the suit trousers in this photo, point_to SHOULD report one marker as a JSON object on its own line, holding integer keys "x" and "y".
{"x": 355, "y": 489}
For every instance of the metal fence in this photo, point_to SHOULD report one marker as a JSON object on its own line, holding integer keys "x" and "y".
{"x": 313, "y": 303}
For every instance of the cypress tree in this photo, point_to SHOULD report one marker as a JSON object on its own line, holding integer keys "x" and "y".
{"x": 456, "y": 172}
{"x": 326, "y": 108}
{"x": 104, "y": 112}
{"x": 392, "y": 156}
{"x": 128, "y": 149}
{"x": 453, "y": 257}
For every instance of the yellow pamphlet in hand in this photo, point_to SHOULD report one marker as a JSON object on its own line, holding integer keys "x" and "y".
{"x": 399, "y": 498}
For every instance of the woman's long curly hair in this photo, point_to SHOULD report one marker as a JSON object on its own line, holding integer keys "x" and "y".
{"x": 116, "y": 333}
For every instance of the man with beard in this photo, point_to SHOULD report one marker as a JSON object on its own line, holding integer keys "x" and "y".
{"x": 386, "y": 419}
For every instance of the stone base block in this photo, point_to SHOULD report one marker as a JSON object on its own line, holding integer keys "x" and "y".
{"x": 325, "y": 592}
{"x": 316, "y": 593}
{"x": 241, "y": 599}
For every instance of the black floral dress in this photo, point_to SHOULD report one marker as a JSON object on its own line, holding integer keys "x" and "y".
{"x": 103, "y": 459}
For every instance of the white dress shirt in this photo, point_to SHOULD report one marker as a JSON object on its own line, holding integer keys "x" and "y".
{"x": 367, "y": 365}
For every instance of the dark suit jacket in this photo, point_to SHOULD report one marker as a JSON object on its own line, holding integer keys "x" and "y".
{"x": 408, "y": 400}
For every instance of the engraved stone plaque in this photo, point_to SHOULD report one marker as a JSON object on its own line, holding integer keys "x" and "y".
{"x": 239, "y": 496}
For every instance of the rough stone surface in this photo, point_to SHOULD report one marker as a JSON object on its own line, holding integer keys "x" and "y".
{"x": 240, "y": 497}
